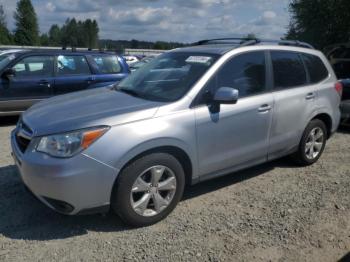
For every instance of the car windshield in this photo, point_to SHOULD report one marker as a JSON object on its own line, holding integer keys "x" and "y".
{"x": 5, "y": 59}
{"x": 168, "y": 77}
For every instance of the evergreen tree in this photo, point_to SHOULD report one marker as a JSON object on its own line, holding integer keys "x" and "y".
{"x": 55, "y": 35}
{"x": 44, "y": 40}
{"x": 320, "y": 23}
{"x": 70, "y": 33}
{"x": 27, "y": 30}
{"x": 5, "y": 36}
{"x": 94, "y": 35}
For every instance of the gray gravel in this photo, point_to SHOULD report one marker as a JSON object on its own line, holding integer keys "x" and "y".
{"x": 274, "y": 212}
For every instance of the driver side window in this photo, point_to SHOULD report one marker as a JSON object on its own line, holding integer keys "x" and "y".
{"x": 245, "y": 72}
{"x": 34, "y": 66}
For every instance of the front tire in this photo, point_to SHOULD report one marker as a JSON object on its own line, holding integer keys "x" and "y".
{"x": 312, "y": 143}
{"x": 148, "y": 189}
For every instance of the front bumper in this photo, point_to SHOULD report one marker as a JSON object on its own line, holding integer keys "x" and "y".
{"x": 68, "y": 186}
{"x": 345, "y": 111}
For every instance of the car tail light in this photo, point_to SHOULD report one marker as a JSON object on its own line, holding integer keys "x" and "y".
{"x": 339, "y": 88}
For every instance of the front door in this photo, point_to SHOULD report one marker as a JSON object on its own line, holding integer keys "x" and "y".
{"x": 236, "y": 135}
{"x": 32, "y": 82}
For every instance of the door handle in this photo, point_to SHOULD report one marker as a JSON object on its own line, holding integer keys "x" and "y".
{"x": 264, "y": 108}
{"x": 310, "y": 96}
{"x": 44, "y": 83}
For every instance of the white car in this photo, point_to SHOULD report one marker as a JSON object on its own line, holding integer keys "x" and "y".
{"x": 130, "y": 59}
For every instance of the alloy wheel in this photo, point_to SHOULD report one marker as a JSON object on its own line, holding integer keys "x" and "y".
{"x": 153, "y": 190}
{"x": 314, "y": 143}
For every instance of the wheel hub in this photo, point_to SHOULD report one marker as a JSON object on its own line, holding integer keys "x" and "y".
{"x": 153, "y": 190}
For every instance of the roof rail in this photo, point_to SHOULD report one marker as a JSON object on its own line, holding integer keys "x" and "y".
{"x": 290, "y": 43}
{"x": 229, "y": 40}
{"x": 240, "y": 42}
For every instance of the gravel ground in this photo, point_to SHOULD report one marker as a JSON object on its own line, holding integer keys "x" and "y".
{"x": 273, "y": 212}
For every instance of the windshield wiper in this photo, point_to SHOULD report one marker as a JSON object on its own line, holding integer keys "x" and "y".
{"x": 128, "y": 91}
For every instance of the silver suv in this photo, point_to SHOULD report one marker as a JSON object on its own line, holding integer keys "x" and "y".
{"x": 191, "y": 114}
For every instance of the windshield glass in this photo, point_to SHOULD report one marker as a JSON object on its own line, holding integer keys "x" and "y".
{"x": 168, "y": 77}
{"x": 5, "y": 59}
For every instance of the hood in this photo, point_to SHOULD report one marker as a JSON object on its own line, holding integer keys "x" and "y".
{"x": 101, "y": 106}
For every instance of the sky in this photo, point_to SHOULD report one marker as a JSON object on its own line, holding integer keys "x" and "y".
{"x": 167, "y": 20}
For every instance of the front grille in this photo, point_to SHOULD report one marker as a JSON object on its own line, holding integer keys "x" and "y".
{"x": 23, "y": 136}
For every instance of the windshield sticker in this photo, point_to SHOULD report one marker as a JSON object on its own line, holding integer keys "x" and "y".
{"x": 199, "y": 59}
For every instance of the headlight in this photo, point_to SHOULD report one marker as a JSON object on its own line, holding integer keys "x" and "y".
{"x": 68, "y": 144}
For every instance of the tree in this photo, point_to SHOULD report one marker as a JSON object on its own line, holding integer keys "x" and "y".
{"x": 93, "y": 35}
{"x": 250, "y": 36}
{"x": 134, "y": 44}
{"x": 44, "y": 40}
{"x": 319, "y": 22}
{"x": 5, "y": 36}
{"x": 70, "y": 33}
{"x": 77, "y": 33}
{"x": 27, "y": 30}
{"x": 55, "y": 35}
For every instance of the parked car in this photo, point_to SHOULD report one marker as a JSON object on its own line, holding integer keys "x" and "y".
{"x": 130, "y": 59}
{"x": 27, "y": 77}
{"x": 135, "y": 66}
{"x": 339, "y": 56}
{"x": 6, "y": 53}
{"x": 345, "y": 104}
{"x": 190, "y": 115}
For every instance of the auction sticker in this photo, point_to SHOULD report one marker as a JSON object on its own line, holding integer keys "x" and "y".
{"x": 198, "y": 59}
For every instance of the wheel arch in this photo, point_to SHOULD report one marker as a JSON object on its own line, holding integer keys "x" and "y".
{"x": 327, "y": 120}
{"x": 180, "y": 151}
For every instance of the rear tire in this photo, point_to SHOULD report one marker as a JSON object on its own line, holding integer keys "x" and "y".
{"x": 312, "y": 144}
{"x": 148, "y": 189}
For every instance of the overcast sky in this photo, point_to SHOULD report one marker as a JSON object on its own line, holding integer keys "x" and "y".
{"x": 168, "y": 20}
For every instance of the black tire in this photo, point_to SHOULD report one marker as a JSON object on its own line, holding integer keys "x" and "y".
{"x": 300, "y": 157}
{"x": 120, "y": 199}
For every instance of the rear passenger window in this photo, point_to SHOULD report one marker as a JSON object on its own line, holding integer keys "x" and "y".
{"x": 107, "y": 64}
{"x": 288, "y": 69}
{"x": 316, "y": 68}
{"x": 245, "y": 72}
{"x": 72, "y": 65}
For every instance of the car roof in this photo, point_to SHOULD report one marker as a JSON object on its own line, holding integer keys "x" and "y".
{"x": 224, "y": 45}
{"x": 62, "y": 52}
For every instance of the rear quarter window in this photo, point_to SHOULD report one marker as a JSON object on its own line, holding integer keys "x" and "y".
{"x": 316, "y": 68}
{"x": 288, "y": 69}
{"x": 107, "y": 64}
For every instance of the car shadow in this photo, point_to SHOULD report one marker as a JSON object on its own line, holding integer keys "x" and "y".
{"x": 24, "y": 217}
{"x": 8, "y": 121}
{"x": 345, "y": 258}
{"x": 344, "y": 129}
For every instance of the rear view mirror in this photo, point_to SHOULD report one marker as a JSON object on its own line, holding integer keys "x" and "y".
{"x": 9, "y": 73}
{"x": 226, "y": 95}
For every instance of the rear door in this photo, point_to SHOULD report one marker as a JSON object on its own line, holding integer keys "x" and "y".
{"x": 32, "y": 82}
{"x": 72, "y": 73}
{"x": 294, "y": 101}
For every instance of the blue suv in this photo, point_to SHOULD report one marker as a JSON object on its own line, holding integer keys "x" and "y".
{"x": 26, "y": 77}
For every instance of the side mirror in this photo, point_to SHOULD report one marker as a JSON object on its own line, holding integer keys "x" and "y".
{"x": 9, "y": 73}
{"x": 226, "y": 95}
